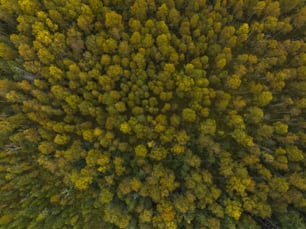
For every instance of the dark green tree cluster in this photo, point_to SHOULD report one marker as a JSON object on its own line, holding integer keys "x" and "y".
{"x": 152, "y": 114}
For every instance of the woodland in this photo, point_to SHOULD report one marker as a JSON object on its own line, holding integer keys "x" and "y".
{"x": 144, "y": 114}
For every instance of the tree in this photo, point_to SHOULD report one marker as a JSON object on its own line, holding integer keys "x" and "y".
{"x": 139, "y": 10}
{"x": 233, "y": 82}
{"x": 174, "y": 17}
{"x": 242, "y": 138}
{"x": 141, "y": 150}
{"x": 280, "y": 128}
{"x": 29, "y": 6}
{"x": 208, "y": 127}
{"x": 233, "y": 208}
{"x": 162, "y": 12}
{"x": 6, "y": 51}
{"x": 189, "y": 115}
{"x": 255, "y": 115}
{"x": 294, "y": 153}
{"x": 112, "y": 19}
{"x": 85, "y": 20}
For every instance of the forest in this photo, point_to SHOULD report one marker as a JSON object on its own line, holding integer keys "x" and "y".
{"x": 144, "y": 114}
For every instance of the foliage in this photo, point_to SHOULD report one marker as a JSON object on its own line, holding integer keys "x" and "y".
{"x": 152, "y": 114}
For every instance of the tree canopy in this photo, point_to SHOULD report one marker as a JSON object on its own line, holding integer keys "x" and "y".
{"x": 152, "y": 114}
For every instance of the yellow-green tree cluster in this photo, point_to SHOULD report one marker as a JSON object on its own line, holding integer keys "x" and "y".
{"x": 152, "y": 114}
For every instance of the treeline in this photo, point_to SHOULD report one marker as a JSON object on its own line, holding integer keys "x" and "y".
{"x": 152, "y": 114}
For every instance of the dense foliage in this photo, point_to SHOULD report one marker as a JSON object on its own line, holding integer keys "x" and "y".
{"x": 152, "y": 114}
